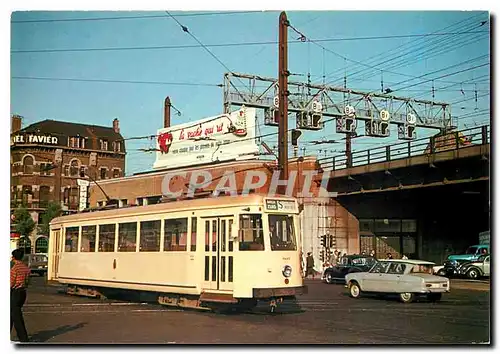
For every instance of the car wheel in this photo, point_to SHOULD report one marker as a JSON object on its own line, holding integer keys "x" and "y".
{"x": 354, "y": 290}
{"x": 329, "y": 278}
{"x": 434, "y": 297}
{"x": 472, "y": 273}
{"x": 406, "y": 297}
{"x": 441, "y": 272}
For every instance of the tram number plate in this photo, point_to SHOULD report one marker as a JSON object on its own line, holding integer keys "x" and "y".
{"x": 280, "y": 205}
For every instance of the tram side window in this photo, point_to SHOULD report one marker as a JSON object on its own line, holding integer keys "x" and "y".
{"x": 150, "y": 236}
{"x": 251, "y": 233}
{"x": 281, "y": 232}
{"x": 107, "y": 238}
{"x": 193, "y": 234}
{"x": 127, "y": 235}
{"x": 176, "y": 235}
{"x": 71, "y": 243}
{"x": 88, "y": 238}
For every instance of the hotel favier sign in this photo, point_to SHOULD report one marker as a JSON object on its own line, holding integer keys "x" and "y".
{"x": 34, "y": 139}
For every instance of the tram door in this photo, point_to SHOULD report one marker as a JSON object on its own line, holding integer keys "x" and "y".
{"x": 56, "y": 249}
{"x": 219, "y": 253}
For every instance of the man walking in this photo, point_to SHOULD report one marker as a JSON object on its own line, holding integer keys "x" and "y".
{"x": 309, "y": 265}
{"x": 19, "y": 277}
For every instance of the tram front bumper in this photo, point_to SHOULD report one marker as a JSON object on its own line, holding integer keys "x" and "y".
{"x": 265, "y": 293}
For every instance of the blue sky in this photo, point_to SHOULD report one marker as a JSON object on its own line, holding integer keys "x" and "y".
{"x": 139, "y": 107}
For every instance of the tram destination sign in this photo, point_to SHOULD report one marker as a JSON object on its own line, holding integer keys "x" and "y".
{"x": 281, "y": 205}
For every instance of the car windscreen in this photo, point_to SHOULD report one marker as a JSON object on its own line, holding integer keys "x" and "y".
{"x": 471, "y": 250}
{"x": 39, "y": 258}
{"x": 282, "y": 233}
{"x": 364, "y": 261}
{"x": 379, "y": 267}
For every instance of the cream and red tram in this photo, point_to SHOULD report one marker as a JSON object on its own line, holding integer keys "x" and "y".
{"x": 201, "y": 253}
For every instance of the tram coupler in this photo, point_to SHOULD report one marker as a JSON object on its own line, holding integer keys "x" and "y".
{"x": 274, "y": 303}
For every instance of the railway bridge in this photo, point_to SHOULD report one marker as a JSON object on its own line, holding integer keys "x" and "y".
{"x": 424, "y": 198}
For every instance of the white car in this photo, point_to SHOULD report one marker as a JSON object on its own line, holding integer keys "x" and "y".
{"x": 405, "y": 277}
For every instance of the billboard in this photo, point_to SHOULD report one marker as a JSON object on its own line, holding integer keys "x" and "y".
{"x": 221, "y": 138}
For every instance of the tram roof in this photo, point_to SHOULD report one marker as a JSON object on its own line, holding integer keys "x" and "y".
{"x": 180, "y": 205}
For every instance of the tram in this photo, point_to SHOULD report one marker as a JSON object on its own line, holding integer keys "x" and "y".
{"x": 229, "y": 252}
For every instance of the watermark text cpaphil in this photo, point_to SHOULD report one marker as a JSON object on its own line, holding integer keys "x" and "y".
{"x": 226, "y": 184}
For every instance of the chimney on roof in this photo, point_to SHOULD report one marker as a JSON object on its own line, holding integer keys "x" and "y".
{"x": 166, "y": 115}
{"x": 116, "y": 125}
{"x": 16, "y": 122}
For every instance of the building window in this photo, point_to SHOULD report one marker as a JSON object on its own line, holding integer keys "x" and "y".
{"x": 66, "y": 196}
{"x": 117, "y": 146}
{"x": 82, "y": 171}
{"x": 25, "y": 244}
{"x": 88, "y": 238}
{"x": 150, "y": 236}
{"x": 116, "y": 173}
{"x": 71, "y": 243}
{"x": 45, "y": 169}
{"x": 28, "y": 165}
{"x": 82, "y": 143}
{"x": 66, "y": 170}
{"x": 73, "y": 168}
{"x": 104, "y": 144}
{"x": 107, "y": 238}
{"x": 44, "y": 196}
{"x": 175, "y": 234}
{"x": 73, "y": 142}
{"x": 153, "y": 200}
{"x": 27, "y": 194}
{"x": 42, "y": 245}
{"x": 102, "y": 172}
{"x": 73, "y": 198}
{"x": 13, "y": 196}
{"x": 127, "y": 237}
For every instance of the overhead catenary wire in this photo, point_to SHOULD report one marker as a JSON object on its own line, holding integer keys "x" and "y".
{"x": 373, "y": 59}
{"x": 351, "y": 60}
{"x": 218, "y": 45}
{"x": 423, "y": 50}
{"x": 116, "y": 81}
{"x": 442, "y": 76}
{"x": 143, "y": 17}
{"x": 186, "y": 30}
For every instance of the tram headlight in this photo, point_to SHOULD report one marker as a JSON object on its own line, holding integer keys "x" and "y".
{"x": 287, "y": 271}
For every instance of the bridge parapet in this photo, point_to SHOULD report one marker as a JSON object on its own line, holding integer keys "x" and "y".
{"x": 425, "y": 146}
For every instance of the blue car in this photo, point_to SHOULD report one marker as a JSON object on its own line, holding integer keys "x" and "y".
{"x": 472, "y": 253}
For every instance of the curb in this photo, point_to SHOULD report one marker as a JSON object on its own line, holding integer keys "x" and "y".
{"x": 471, "y": 286}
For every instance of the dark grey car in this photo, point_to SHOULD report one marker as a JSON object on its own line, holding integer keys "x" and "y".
{"x": 37, "y": 263}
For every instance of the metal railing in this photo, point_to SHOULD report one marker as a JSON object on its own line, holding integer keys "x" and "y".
{"x": 402, "y": 150}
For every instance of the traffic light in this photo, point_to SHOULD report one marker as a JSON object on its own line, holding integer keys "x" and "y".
{"x": 332, "y": 241}
{"x": 295, "y": 136}
{"x": 322, "y": 255}
{"x": 384, "y": 128}
{"x": 377, "y": 128}
{"x": 323, "y": 241}
{"x": 407, "y": 132}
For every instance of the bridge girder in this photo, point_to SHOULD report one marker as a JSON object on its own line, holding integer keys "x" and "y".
{"x": 368, "y": 105}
